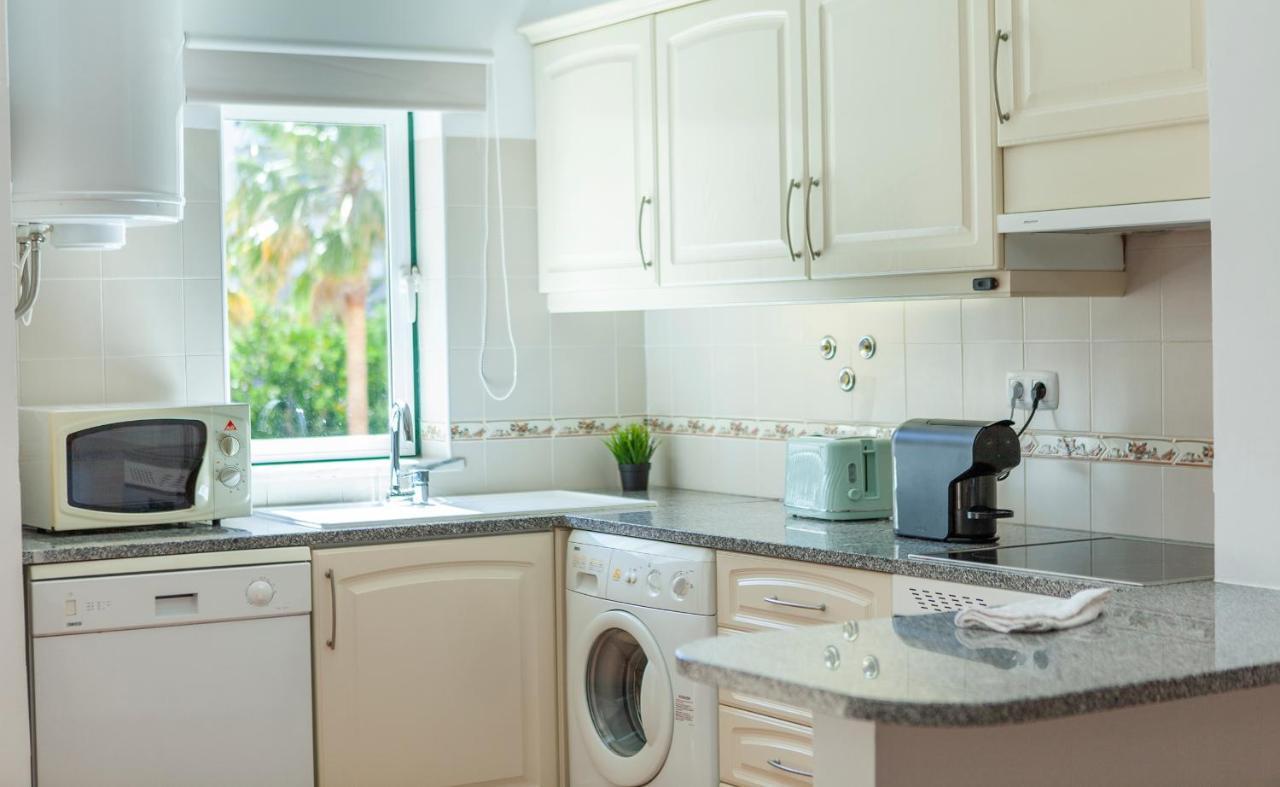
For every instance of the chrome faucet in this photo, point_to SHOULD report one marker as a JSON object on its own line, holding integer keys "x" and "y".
{"x": 420, "y": 475}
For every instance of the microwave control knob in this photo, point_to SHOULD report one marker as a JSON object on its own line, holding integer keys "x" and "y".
{"x": 229, "y": 445}
{"x": 230, "y": 476}
{"x": 260, "y": 592}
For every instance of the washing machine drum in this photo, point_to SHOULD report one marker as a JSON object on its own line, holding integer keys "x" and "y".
{"x": 625, "y": 708}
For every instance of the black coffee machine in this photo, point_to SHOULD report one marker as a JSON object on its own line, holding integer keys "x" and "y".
{"x": 944, "y": 477}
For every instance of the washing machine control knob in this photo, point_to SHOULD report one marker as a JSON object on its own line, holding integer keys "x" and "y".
{"x": 631, "y": 577}
{"x": 680, "y": 587}
{"x": 655, "y": 582}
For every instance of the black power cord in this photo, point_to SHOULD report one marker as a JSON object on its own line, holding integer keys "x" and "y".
{"x": 1038, "y": 392}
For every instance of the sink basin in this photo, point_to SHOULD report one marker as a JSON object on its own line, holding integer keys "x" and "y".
{"x": 445, "y": 509}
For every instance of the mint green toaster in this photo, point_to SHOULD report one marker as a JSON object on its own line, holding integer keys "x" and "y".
{"x": 839, "y": 478}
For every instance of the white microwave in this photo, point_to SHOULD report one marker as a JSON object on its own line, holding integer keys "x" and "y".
{"x": 91, "y": 467}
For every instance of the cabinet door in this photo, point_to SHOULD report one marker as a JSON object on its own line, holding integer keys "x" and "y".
{"x": 901, "y": 150}
{"x": 594, "y": 107}
{"x": 442, "y": 668}
{"x": 757, "y": 751}
{"x": 1087, "y": 67}
{"x": 730, "y": 142}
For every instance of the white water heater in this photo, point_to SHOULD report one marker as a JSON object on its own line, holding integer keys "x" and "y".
{"x": 96, "y": 94}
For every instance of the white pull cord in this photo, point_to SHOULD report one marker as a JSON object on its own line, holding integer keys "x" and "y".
{"x": 492, "y": 137}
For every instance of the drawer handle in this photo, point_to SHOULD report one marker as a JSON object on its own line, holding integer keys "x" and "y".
{"x": 780, "y": 765}
{"x": 779, "y": 602}
{"x": 332, "y": 642}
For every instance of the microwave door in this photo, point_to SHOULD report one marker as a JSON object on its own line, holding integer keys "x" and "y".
{"x": 136, "y": 467}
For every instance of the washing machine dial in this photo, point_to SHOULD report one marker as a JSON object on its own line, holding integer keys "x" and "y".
{"x": 260, "y": 592}
{"x": 654, "y": 581}
{"x": 680, "y": 587}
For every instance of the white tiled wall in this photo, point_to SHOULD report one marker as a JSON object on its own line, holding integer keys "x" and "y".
{"x": 1137, "y": 365}
{"x": 144, "y": 323}
{"x": 576, "y": 366}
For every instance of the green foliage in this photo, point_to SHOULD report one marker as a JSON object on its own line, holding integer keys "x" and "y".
{"x": 632, "y": 444}
{"x": 280, "y": 363}
{"x": 306, "y": 277}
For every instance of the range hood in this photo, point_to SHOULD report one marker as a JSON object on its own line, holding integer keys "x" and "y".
{"x": 1136, "y": 217}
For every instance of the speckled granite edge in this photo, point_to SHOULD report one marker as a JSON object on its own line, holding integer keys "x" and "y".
{"x": 204, "y": 541}
{"x": 1027, "y": 583}
{"x": 209, "y": 539}
{"x": 947, "y": 714}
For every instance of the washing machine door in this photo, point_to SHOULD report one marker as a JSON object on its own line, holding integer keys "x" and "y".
{"x": 625, "y": 707}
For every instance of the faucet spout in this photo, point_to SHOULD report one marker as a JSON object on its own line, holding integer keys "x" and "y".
{"x": 400, "y": 424}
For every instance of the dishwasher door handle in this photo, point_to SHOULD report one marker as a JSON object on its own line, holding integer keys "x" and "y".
{"x": 332, "y": 642}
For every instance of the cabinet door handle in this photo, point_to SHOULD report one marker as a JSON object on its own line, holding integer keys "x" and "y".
{"x": 792, "y": 188}
{"x": 808, "y": 232}
{"x": 332, "y": 642}
{"x": 779, "y": 602}
{"x": 780, "y": 765}
{"x": 1001, "y": 115}
{"x": 640, "y": 232}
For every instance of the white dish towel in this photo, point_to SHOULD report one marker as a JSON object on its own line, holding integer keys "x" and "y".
{"x": 1037, "y": 614}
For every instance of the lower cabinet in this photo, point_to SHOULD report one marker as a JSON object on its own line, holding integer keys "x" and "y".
{"x": 435, "y": 663}
{"x": 759, "y": 751}
{"x": 765, "y": 742}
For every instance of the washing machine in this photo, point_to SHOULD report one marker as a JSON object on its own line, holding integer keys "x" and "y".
{"x": 633, "y": 719}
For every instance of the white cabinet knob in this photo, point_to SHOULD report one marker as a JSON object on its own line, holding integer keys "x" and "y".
{"x": 260, "y": 592}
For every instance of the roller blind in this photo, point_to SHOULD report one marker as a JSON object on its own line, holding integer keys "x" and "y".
{"x": 230, "y": 73}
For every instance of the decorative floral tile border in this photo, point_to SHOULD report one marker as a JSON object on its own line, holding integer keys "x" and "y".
{"x": 1077, "y": 446}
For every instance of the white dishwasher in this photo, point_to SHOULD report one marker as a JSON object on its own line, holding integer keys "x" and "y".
{"x": 193, "y": 670}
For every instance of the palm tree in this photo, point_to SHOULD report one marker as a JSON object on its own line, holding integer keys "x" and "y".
{"x": 304, "y": 224}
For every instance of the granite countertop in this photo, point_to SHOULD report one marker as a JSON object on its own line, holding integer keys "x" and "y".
{"x": 1152, "y": 644}
{"x": 727, "y": 522}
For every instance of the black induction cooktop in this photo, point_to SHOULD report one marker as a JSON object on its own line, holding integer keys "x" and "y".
{"x": 1128, "y": 561}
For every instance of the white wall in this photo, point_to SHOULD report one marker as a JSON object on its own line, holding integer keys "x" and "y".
{"x": 1244, "y": 111}
{"x": 1135, "y": 373}
{"x": 15, "y": 752}
{"x": 424, "y": 24}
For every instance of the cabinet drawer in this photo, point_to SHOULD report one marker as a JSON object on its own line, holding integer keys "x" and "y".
{"x": 757, "y": 751}
{"x": 747, "y": 702}
{"x": 758, "y": 593}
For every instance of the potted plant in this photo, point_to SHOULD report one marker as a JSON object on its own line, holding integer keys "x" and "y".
{"x": 633, "y": 446}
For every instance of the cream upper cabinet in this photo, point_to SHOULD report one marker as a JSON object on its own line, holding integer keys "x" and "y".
{"x": 595, "y": 154}
{"x": 437, "y": 664}
{"x": 902, "y": 172}
{"x": 730, "y": 142}
{"x": 1087, "y": 67}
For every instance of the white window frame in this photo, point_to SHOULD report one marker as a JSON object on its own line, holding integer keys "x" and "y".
{"x": 402, "y": 308}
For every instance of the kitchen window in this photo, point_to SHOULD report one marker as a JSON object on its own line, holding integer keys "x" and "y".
{"x": 320, "y": 314}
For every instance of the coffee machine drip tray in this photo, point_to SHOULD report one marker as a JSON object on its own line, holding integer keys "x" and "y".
{"x": 1126, "y": 561}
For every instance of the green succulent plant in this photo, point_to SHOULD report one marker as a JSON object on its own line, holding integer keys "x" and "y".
{"x": 633, "y": 444}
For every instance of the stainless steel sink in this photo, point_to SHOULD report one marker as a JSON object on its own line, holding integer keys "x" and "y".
{"x": 451, "y": 508}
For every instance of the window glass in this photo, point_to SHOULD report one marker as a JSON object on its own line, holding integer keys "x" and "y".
{"x": 306, "y": 206}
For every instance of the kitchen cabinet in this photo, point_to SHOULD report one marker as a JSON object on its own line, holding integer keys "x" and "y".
{"x": 435, "y": 662}
{"x": 902, "y": 172}
{"x": 730, "y": 141}
{"x": 595, "y": 158}
{"x": 757, "y": 751}
{"x": 1101, "y": 102}
{"x": 762, "y": 741}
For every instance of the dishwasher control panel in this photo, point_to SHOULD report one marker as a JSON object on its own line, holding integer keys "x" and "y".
{"x": 109, "y": 603}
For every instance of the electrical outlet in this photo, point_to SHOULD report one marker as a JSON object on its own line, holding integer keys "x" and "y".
{"x": 1028, "y": 380}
